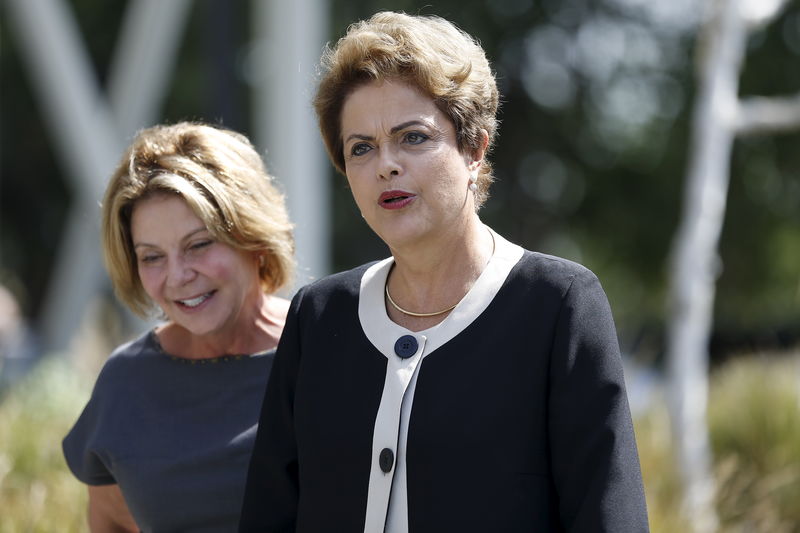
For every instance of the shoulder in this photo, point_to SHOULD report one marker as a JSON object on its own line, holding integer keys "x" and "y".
{"x": 529, "y": 270}
{"x": 347, "y": 280}
{"x": 552, "y": 272}
{"x": 144, "y": 346}
{"x": 570, "y": 290}
{"x": 335, "y": 287}
{"x": 126, "y": 359}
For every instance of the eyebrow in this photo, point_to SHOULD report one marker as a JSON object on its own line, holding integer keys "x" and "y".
{"x": 394, "y": 130}
{"x": 187, "y": 236}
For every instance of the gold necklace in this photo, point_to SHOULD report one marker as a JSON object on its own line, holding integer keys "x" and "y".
{"x": 416, "y": 314}
{"x": 389, "y": 296}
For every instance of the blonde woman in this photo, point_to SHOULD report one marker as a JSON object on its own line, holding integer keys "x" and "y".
{"x": 194, "y": 230}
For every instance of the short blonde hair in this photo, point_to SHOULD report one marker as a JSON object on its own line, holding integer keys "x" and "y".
{"x": 223, "y": 180}
{"x": 427, "y": 52}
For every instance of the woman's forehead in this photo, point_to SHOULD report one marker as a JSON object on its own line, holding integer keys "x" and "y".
{"x": 385, "y": 105}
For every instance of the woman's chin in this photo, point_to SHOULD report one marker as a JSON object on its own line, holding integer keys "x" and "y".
{"x": 197, "y": 326}
{"x": 401, "y": 233}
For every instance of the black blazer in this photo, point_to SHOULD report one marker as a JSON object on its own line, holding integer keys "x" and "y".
{"x": 520, "y": 423}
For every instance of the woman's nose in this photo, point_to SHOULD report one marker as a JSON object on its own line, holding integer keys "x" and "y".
{"x": 179, "y": 272}
{"x": 390, "y": 166}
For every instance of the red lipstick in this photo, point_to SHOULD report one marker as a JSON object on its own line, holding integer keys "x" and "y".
{"x": 395, "y": 199}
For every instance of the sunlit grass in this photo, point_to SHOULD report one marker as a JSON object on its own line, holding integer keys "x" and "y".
{"x": 661, "y": 482}
{"x": 754, "y": 421}
{"x": 38, "y": 494}
{"x": 754, "y": 416}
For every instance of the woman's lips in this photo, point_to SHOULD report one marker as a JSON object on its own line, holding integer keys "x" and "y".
{"x": 197, "y": 301}
{"x": 395, "y": 199}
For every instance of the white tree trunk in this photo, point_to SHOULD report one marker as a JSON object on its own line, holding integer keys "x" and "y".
{"x": 695, "y": 262}
{"x": 718, "y": 117}
{"x": 768, "y": 115}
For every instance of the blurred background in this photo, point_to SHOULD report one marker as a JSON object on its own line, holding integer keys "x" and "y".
{"x": 591, "y": 162}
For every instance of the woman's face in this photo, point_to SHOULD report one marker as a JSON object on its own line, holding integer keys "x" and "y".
{"x": 200, "y": 284}
{"x": 403, "y": 165}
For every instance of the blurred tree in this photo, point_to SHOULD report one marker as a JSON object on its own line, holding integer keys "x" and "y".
{"x": 717, "y": 118}
{"x": 137, "y": 106}
{"x": 593, "y": 144}
{"x": 591, "y": 149}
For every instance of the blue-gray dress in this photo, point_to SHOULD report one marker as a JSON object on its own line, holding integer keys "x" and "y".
{"x": 175, "y": 434}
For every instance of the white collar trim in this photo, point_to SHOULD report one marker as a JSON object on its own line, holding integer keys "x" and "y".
{"x": 383, "y": 333}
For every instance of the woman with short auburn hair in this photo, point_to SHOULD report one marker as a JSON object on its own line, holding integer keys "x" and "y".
{"x": 462, "y": 384}
{"x": 428, "y": 53}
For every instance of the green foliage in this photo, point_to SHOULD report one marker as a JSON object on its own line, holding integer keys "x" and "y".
{"x": 38, "y": 494}
{"x": 598, "y": 179}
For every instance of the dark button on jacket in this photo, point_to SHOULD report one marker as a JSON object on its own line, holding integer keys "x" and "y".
{"x": 406, "y": 346}
{"x": 386, "y": 460}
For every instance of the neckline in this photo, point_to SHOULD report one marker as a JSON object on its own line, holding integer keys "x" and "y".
{"x": 159, "y": 349}
{"x": 382, "y": 332}
{"x": 443, "y": 311}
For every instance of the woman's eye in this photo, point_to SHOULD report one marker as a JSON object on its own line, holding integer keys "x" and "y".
{"x": 149, "y": 258}
{"x": 359, "y": 149}
{"x": 415, "y": 137}
{"x": 200, "y": 245}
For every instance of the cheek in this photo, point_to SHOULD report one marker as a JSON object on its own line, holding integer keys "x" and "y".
{"x": 357, "y": 188}
{"x": 359, "y": 198}
{"x": 450, "y": 177}
{"x": 149, "y": 279}
{"x": 219, "y": 270}
{"x": 232, "y": 268}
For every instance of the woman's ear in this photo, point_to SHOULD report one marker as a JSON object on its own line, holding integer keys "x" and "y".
{"x": 480, "y": 151}
{"x": 484, "y": 144}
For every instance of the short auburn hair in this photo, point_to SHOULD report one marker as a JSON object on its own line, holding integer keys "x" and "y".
{"x": 224, "y": 182}
{"x": 426, "y": 52}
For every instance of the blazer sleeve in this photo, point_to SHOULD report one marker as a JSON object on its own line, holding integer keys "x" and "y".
{"x": 594, "y": 459}
{"x": 271, "y": 491}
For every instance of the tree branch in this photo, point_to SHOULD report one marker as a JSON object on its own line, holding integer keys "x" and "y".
{"x": 768, "y": 115}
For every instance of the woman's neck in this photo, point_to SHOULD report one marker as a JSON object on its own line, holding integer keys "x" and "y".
{"x": 435, "y": 276}
{"x": 257, "y": 329}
